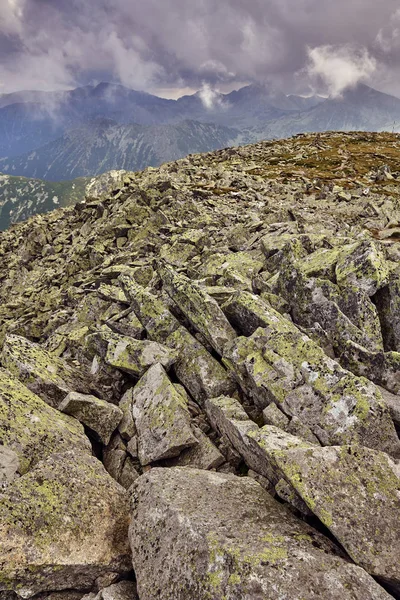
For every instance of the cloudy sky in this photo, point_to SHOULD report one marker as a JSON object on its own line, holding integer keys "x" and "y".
{"x": 174, "y": 46}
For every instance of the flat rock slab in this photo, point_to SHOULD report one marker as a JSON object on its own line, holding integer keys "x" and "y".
{"x": 102, "y": 417}
{"x": 161, "y": 417}
{"x": 31, "y": 428}
{"x": 136, "y": 356}
{"x": 198, "y": 534}
{"x": 45, "y": 374}
{"x": 355, "y": 492}
{"x": 62, "y": 526}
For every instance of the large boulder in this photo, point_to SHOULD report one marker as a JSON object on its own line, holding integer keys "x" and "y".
{"x": 161, "y": 417}
{"x": 355, "y": 492}
{"x": 198, "y": 534}
{"x": 62, "y": 526}
{"x": 31, "y": 428}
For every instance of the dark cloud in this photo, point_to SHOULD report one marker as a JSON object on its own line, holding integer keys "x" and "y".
{"x": 296, "y": 44}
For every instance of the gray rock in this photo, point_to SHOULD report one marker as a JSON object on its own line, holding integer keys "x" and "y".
{"x": 32, "y": 429}
{"x": 136, "y": 356}
{"x": 161, "y": 417}
{"x": 223, "y": 537}
{"x": 200, "y": 308}
{"x": 127, "y": 428}
{"x": 203, "y": 456}
{"x": 256, "y": 445}
{"x": 102, "y": 417}
{"x": 363, "y": 267}
{"x": 354, "y": 491}
{"x": 282, "y": 365}
{"x": 62, "y": 525}
{"x": 45, "y": 374}
{"x": 9, "y": 466}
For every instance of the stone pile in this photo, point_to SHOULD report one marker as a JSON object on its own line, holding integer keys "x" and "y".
{"x": 200, "y": 383}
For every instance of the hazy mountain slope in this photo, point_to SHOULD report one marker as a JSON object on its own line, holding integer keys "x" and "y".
{"x": 30, "y": 119}
{"x": 21, "y": 197}
{"x": 102, "y": 146}
{"x": 362, "y": 108}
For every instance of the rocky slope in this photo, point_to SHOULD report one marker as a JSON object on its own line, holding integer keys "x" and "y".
{"x": 199, "y": 382}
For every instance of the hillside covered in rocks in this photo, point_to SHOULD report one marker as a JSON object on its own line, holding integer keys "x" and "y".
{"x": 200, "y": 381}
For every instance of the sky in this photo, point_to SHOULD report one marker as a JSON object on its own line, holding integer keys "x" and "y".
{"x": 172, "y": 47}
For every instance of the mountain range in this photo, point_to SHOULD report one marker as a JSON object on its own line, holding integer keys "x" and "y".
{"x": 61, "y": 136}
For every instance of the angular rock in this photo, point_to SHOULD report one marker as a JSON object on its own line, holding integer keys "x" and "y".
{"x": 45, "y": 374}
{"x": 161, "y": 417}
{"x": 256, "y": 445}
{"x": 123, "y": 590}
{"x": 392, "y": 401}
{"x": 282, "y": 365}
{"x": 100, "y": 416}
{"x": 62, "y": 525}
{"x": 127, "y": 428}
{"x": 355, "y": 492}
{"x": 136, "y": 356}
{"x": 203, "y": 456}
{"x": 31, "y": 428}
{"x": 223, "y": 536}
{"x": 198, "y": 371}
{"x": 364, "y": 267}
{"x": 201, "y": 310}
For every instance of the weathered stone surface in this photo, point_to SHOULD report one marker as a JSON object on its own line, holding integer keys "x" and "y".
{"x": 127, "y": 428}
{"x": 282, "y": 365}
{"x": 46, "y": 375}
{"x": 63, "y": 525}
{"x": 225, "y": 537}
{"x": 364, "y": 267}
{"x": 31, "y": 428}
{"x": 136, "y": 356}
{"x": 256, "y": 445}
{"x": 204, "y": 455}
{"x": 100, "y": 416}
{"x": 392, "y": 401}
{"x": 161, "y": 417}
{"x": 200, "y": 308}
{"x": 9, "y": 466}
{"x": 100, "y": 188}
{"x": 355, "y": 492}
{"x": 387, "y": 300}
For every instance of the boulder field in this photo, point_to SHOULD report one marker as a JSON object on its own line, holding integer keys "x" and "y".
{"x": 200, "y": 381}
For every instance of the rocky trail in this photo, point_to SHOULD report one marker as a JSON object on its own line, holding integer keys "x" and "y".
{"x": 200, "y": 381}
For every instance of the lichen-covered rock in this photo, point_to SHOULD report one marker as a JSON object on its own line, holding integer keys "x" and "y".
{"x": 161, "y": 417}
{"x": 256, "y": 445}
{"x": 31, "y": 428}
{"x": 62, "y": 525}
{"x": 100, "y": 416}
{"x": 363, "y": 267}
{"x": 46, "y": 375}
{"x": 224, "y": 537}
{"x": 280, "y": 364}
{"x": 205, "y": 455}
{"x": 123, "y": 590}
{"x": 136, "y": 356}
{"x": 355, "y": 492}
{"x": 201, "y": 310}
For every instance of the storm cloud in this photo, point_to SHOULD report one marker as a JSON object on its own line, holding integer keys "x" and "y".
{"x": 156, "y": 45}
